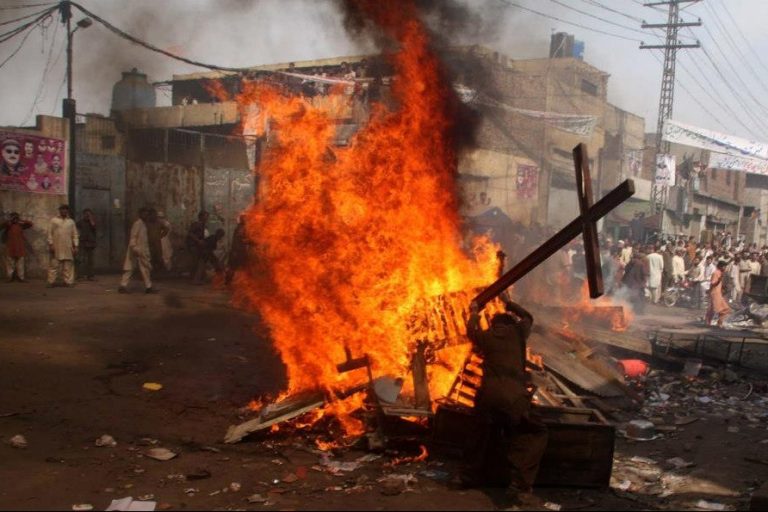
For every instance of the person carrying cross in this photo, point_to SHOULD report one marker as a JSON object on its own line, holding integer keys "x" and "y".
{"x": 503, "y": 403}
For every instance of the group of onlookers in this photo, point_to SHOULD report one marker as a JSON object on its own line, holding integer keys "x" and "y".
{"x": 720, "y": 269}
{"x": 149, "y": 248}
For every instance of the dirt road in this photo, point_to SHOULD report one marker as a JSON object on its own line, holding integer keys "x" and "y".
{"x": 72, "y": 366}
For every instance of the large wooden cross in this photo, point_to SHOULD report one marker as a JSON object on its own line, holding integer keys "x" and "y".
{"x": 585, "y": 224}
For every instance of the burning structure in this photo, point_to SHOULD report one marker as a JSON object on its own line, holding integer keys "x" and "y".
{"x": 357, "y": 255}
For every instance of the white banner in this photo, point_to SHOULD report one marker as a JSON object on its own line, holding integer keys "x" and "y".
{"x": 665, "y": 171}
{"x": 738, "y": 163}
{"x": 578, "y": 124}
{"x": 714, "y": 141}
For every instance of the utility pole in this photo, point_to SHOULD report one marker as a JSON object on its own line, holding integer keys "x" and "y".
{"x": 666, "y": 98}
{"x": 68, "y": 108}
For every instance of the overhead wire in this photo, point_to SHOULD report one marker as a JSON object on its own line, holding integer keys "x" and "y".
{"x": 743, "y": 37}
{"x": 585, "y": 27}
{"x": 24, "y": 6}
{"x": 18, "y": 48}
{"x": 150, "y": 46}
{"x": 611, "y": 9}
{"x": 43, "y": 79}
{"x": 599, "y": 18}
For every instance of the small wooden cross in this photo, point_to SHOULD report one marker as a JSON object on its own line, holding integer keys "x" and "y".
{"x": 585, "y": 224}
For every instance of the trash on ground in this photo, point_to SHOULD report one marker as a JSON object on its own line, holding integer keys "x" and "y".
{"x": 152, "y": 386}
{"x": 160, "y": 454}
{"x": 18, "y": 441}
{"x": 106, "y": 441}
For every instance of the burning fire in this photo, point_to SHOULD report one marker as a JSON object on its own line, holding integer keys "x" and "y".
{"x": 361, "y": 247}
{"x": 604, "y": 309}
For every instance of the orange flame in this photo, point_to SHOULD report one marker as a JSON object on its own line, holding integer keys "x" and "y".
{"x": 353, "y": 244}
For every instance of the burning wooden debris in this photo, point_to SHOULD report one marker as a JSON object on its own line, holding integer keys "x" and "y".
{"x": 571, "y": 380}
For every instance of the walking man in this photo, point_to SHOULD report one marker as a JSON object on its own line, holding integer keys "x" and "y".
{"x": 86, "y": 227}
{"x": 138, "y": 255}
{"x": 196, "y": 246}
{"x": 13, "y": 237}
{"x": 63, "y": 241}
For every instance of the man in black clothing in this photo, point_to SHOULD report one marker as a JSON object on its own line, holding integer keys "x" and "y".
{"x": 503, "y": 404}
{"x": 86, "y": 227}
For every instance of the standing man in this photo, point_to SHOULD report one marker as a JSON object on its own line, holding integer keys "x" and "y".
{"x": 504, "y": 400}
{"x": 707, "y": 271}
{"x": 735, "y": 277}
{"x": 238, "y": 250}
{"x": 62, "y": 246}
{"x": 678, "y": 266}
{"x": 666, "y": 274}
{"x": 655, "y": 270}
{"x": 86, "y": 227}
{"x": 717, "y": 304}
{"x": 634, "y": 280}
{"x": 196, "y": 246}
{"x": 165, "y": 241}
{"x": 13, "y": 238}
{"x": 745, "y": 269}
{"x": 138, "y": 255}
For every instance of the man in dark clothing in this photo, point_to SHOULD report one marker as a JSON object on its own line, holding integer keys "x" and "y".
{"x": 635, "y": 275}
{"x": 503, "y": 402}
{"x": 86, "y": 227}
{"x": 208, "y": 256}
{"x": 196, "y": 246}
{"x": 238, "y": 250}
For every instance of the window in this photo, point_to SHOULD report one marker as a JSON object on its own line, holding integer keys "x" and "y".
{"x": 589, "y": 88}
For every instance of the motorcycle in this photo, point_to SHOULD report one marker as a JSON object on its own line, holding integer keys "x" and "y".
{"x": 683, "y": 293}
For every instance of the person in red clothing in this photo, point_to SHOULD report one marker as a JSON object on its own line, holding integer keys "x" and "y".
{"x": 13, "y": 238}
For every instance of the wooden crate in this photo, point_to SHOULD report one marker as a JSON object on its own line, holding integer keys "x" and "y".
{"x": 579, "y": 447}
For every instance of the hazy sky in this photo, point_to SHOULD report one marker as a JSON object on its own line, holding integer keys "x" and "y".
{"x": 251, "y": 32}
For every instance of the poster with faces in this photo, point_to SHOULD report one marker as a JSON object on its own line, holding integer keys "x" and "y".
{"x": 32, "y": 164}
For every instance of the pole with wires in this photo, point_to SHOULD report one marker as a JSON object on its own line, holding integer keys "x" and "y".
{"x": 666, "y": 98}
{"x": 68, "y": 107}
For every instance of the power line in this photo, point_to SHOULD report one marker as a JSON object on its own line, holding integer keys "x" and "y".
{"x": 735, "y": 47}
{"x": 585, "y": 27}
{"x": 21, "y": 28}
{"x": 46, "y": 69}
{"x": 743, "y": 37}
{"x": 154, "y": 48}
{"x": 26, "y": 6}
{"x": 13, "y": 54}
{"x": 23, "y": 17}
{"x": 594, "y": 16}
{"x": 616, "y": 11}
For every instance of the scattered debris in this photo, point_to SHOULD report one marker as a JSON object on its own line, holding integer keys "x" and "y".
{"x": 256, "y": 498}
{"x": 289, "y": 478}
{"x": 552, "y": 506}
{"x": 198, "y": 474}
{"x": 162, "y": 454}
{"x": 235, "y": 486}
{"x": 18, "y": 441}
{"x": 711, "y": 505}
{"x": 82, "y": 506}
{"x": 106, "y": 441}
{"x": 152, "y": 386}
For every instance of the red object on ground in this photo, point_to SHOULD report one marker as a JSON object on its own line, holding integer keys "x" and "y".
{"x": 634, "y": 368}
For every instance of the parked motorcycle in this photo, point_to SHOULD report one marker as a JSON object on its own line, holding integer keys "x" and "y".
{"x": 684, "y": 293}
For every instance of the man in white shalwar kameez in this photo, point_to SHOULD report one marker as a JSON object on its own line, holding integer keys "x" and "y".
{"x": 138, "y": 255}
{"x": 655, "y": 269}
{"x": 63, "y": 240}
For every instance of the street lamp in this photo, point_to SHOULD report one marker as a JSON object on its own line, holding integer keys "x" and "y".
{"x": 69, "y": 111}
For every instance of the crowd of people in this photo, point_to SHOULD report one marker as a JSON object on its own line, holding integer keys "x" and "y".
{"x": 71, "y": 247}
{"x": 719, "y": 273}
